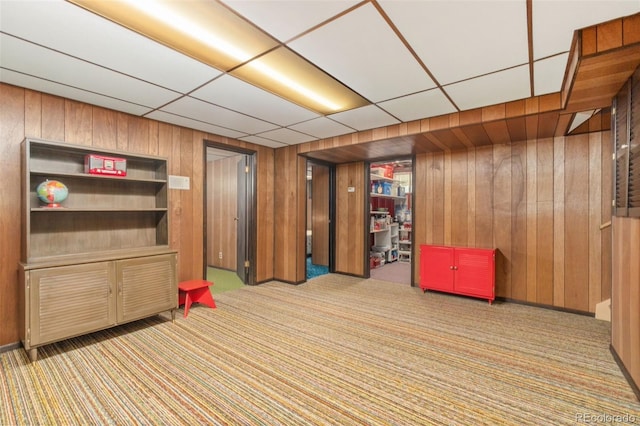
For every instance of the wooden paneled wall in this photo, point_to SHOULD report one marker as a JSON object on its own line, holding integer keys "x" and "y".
{"x": 539, "y": 202}
{"x": 34, "y": 114}
{"x": 625, "y": 298}
{"x": 222, "y": 209}
{"x": 320, "y": 215}
{"x": 290, "y": 215}
{"x": 350, "y": 247}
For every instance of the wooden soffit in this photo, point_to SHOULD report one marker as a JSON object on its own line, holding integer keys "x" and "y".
{"x": 601, "y": 60}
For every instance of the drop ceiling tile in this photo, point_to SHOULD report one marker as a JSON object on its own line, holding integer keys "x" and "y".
{"x": 166, "y": 117}
{"x": 491, "y": 89}
{"x": 367, "y": 117}
{"x": 579, "y": 118}
{"x": 461, "y": 39}
{"x": 554, "y": 22}
{"x": 212, "y": 114}
{"x": 362, "y": 51}
{"x": 52, "y": 88}
{"x": 287, "y": 136}
{"x": 420, "y": 105}
{"x": 30, "y": 59}
{"x": 232, "y": 93}
{"x": 548, "y": 74}
{"x": 69, "y": 29}
{"x": 285, "y": 19}
{"x": 322, "y": 128}
{"x": 262, "y": 141}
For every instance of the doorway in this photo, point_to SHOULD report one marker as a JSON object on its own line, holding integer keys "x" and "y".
{"x": 229, "y": 218}
{"x": 319, "y": 229}
{"x": 390, "y": 227}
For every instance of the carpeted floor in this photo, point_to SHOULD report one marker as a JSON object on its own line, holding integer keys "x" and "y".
{"x": 223, "y": 280}
{"x": 315, "y": 270}
{"x": 336, "y": 350}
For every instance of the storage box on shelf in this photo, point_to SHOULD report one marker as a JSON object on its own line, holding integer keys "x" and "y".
{"x": 100, "y": 259}
{"x": 459, "y": 270}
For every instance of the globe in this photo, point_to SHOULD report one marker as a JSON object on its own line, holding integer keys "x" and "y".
{"x": 52, "y": 192}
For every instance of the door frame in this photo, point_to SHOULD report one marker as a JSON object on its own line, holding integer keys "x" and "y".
{"x": 332, "y": 209}
{"x": 251, "y": 205}
{"x": 367, "y": 169}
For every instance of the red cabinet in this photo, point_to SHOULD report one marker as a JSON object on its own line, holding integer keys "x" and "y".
{"x": 459, "y": 270}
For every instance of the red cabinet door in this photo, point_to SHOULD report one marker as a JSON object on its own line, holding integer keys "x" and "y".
{"x": 436, "y": 268}
{"x": 475, "y": 272}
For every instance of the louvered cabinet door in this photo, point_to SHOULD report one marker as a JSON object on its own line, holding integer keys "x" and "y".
{"x": 146, "y": 286}
{"x": 68, "y": 301}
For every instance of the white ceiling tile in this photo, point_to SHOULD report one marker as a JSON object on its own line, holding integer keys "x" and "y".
{"x": 504, "y": 86}
{"x": 212, "y": 114}
{"x": 30, "y": 59}
{"x": 420, "y": 105}
{"x": 548, "y": 74}
{"x": 232, "y": 93}
{"x": 462, "y": 39}
{"x": 362, "y": 51}
{"x": 285, "y": 19}
{"x": 52, "y": 88}
{"x": 288, "y": 136}
{"x": 579, "y": 118}
{"x": 262, "y": 141}
{"x": 69, "y": 29}
{"x": 166, "y": 117}
{"x": 555, "y": 21}
{"x": 322, "y": 128}
{"x": 367, "y": 117}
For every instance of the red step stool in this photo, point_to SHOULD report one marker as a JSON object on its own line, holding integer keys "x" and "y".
{"x": 195, "y": 291}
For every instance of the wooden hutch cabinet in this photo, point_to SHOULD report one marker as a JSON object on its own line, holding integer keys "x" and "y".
{"x": 102, "y": 257}
{"x": 459, "y": 270}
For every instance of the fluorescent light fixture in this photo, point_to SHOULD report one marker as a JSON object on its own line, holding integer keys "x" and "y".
{"x": 209, "y": 32}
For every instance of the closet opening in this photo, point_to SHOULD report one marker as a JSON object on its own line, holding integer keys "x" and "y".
{"x": 391, "y": 252}
{"x": 319, "y": 230}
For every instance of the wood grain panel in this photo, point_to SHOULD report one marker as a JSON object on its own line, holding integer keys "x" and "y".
{"x": 301, "y": 218}
{"x": 595, "y": 220}
{"x": 222, "y": 237}
{"x": 447, "y": 194}
{"x": 558, "y": 222}
{"x": 471, "y": 198}
{"x": 459, "y": 199}
{"x": 350, "y": 217}
{"x": 105, "y": 128}
{"x": 12, "y": 105}
{"x": 188, "y": 240}
{"x": 33, "y": 114}
{"x": 577, "y": 222}
{"x": 437, "y": 175}
{"x": 53, "y": 119}
{"x": 544, "y": 222}
{"x": 484, "y": 197}
{"x": 625, "y": 297}
{"x": 607, "y": 197}
{"x": 502, "y": 218}
{"x": 286, "y": 202}
{"x": 78, "y": 121}
{"x": 265, "y": 214}
{"x": 197, "y": 197}
{"x": 532, "y": 219}
{"x": 519, "y": 221}
{"x": 320, "y": 215}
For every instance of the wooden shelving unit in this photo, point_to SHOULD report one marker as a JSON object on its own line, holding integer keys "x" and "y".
{"x": 103, "y": 257}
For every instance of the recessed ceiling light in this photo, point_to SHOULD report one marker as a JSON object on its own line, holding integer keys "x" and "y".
{"x": 211, "y": 33}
